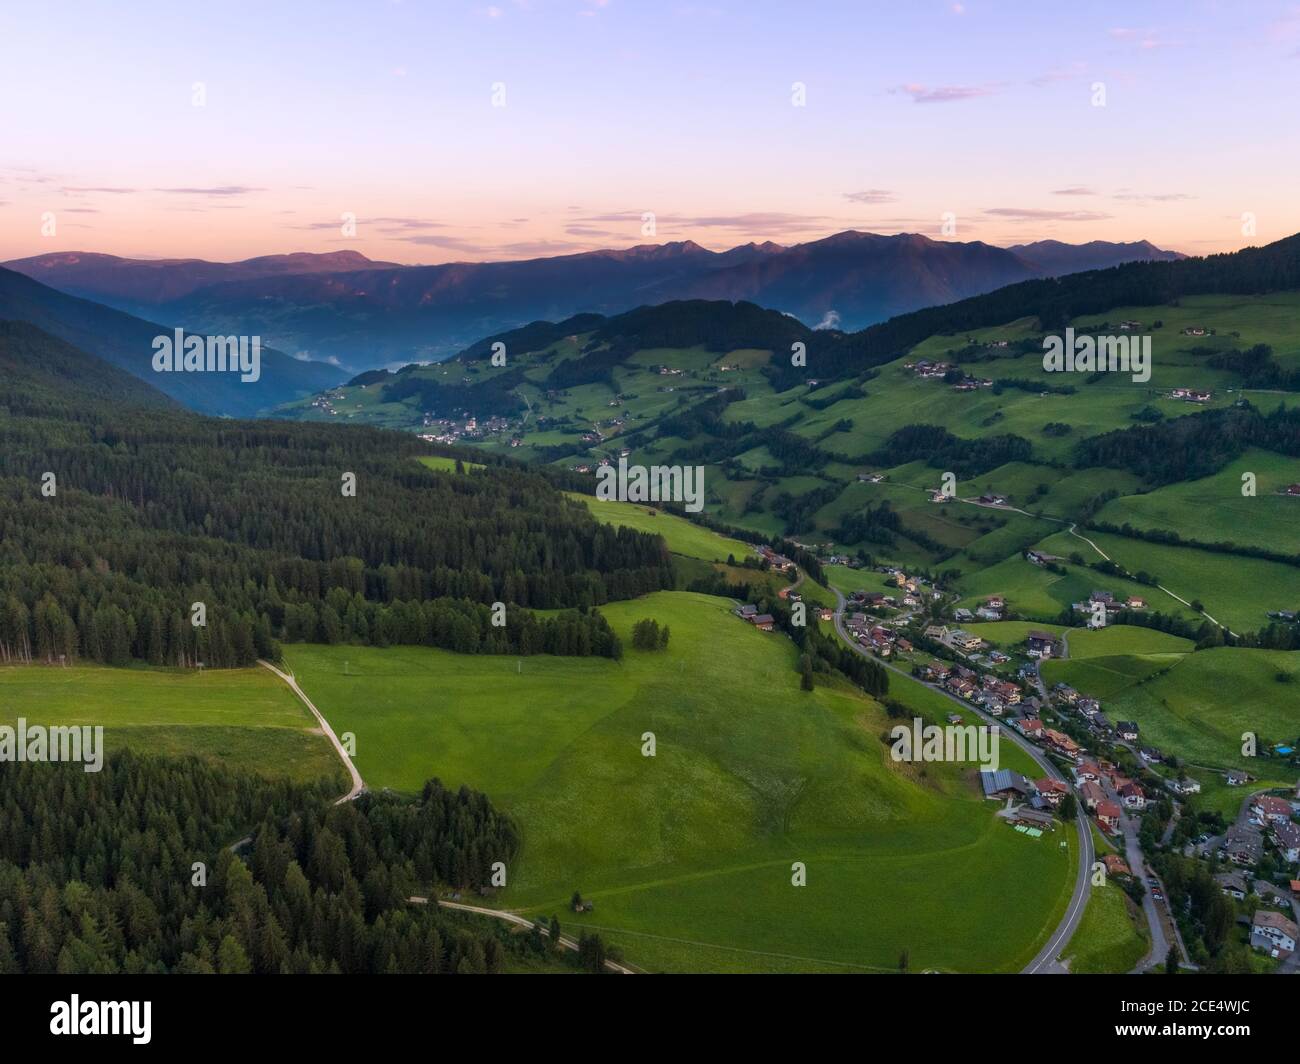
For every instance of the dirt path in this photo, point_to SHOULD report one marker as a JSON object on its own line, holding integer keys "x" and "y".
{"x": 519, "y": 921}
{"x": 358, "y": 784}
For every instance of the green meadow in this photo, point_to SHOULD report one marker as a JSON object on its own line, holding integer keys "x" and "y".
{"x": 1111, "y": 938}
{"x": 688, "y": 854}
{"x": 682, "y": 536}
{"x": 237, "y": 716}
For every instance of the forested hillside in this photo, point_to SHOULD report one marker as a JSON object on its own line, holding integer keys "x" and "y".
{"x": 97, "y": 874}
{"x": 119, "y": 512}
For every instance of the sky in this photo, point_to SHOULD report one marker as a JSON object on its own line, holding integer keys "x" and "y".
{"x": 439, "y": 131}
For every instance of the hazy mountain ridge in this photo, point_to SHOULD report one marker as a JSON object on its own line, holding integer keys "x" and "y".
{"x": 367, "y": 314}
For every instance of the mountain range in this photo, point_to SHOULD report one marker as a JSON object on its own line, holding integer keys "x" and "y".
{"x": 126, "y": 341}
{"x": 363, "y": 314}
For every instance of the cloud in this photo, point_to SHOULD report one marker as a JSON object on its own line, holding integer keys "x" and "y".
{"x": 114, "y": 191}
{"x": 871, "y": 195}
{"x": 1060, "y": 73}
{"x": 947, "y": 93}
{"x": 1151, "y": 197}
{"x": 1143, "y": 38}
{"x": 830, "y": 320}
{"x": 1035, "y": 214}
{"x": 213, "y": 190}
{"x": 1074, "y": 190}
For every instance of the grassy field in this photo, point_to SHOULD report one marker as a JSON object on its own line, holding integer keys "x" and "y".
{"x": 1197, "y": 706}
{"x": 442, "y": 464}
{"x": 237, "y": 716}
{"x": 688, "y": 854}
{"x": 682, "y": 536}
{"x": 1111, "y": 937}
{"x": 1236, "y": 591}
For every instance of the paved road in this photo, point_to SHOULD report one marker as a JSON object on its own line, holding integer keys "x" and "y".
{"x": 520, "y": 921}
{"x": 1046, "y": 962}
{"x": 358, "y": 785}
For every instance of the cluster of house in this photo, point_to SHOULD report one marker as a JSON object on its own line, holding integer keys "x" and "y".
{"x": 925, "y": 368}
{"x": 991, "y": 609}
{"x": 764, "y": 622}
{"x": 1191, "y": 395}
{"x": 883, "y": 640}
{"x": 779, "y": 562}
{"x": 1103, "y": 607}
{"x": 449, "y": 430}
{"x": 988, "y": 691}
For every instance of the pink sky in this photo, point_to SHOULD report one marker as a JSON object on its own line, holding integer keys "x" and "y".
{"x": 613, "y": 109}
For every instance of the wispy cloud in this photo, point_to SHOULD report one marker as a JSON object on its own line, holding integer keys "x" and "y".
{"x": 212, "y": 190}
{"x": 871, "y": 195}
{"x": 1074, "y": 190}
{"x": 1038, "y": 214}
{"x": 948, "y": 93}
{"x": 1151, "y": 197}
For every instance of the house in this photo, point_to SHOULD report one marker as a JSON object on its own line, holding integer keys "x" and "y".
{"x": 1052, "y": 791}
{"x": 1108, "y": 814}
{"x": 1092, "y": 794}
{"x": 1030, "y": 726}
{"x": 1088, "y": 771}
{"x": 1115, "y": 865}
{"x": 825, "y": 614}
{"x": 1065, "y": 692}
{"x": 964, "y": 640}
{"x": 938, "y": 671}
{"x": 1184, "y": 786}
{"x": 746, "y": 612}
{"x": 1040, "y": 644}
{"x": 1034, "y": 818}
{"x": 955, "y": 718}
{"x": 1127, "y": 730}
{"x": 1243, "y": 845}
{"x": 763, "y": 621}
{"x": 938, "y": 632}
{"x": 1135, "y": 603}
{"x": 1089, "y": 707}
{"x": 903, "y": 645}
{"x": 1287, "y": 838}
{"x": 1270, "y": 894}
{"x": 962, "y": 614}
{"x": 988, "y": 613}
{"x": 1235, "y": 779}
{"x": 1132, "y": 796}
{"x": 1292, "y": 489}
{"x": 995, "y": 602}
{"x": 1004, "y": 784}
{"x": 1233, "y": 884}
{"x": 1268, "y": 809}
{"x": 1273, "y": 933}
{"x": 1061, "y": 742}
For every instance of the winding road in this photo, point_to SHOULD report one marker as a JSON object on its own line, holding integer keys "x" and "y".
{"x": 1046, "y": 961}
{"x": 358, "y": 784}
{"x": 519, "y": 921}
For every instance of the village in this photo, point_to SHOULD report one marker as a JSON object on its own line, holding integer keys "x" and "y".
{"x": 1109, "y": 774}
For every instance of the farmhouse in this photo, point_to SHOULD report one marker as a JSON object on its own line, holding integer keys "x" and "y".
{"x": 1005, "y": 784}
{"x": 1287, "y": 838}
{"x": 1041, "y": 644}
{"x": 1052, "y": 791}
{"x": 1115, "y": 865}
{"x": 1233, "y": 884}
{"x": 1269, "y": 809}
{"x": 1092, "y": 794}
{"x": 1273, "y": 933}
{"x": 763, "y": 622}
{"x": 1108, "y": 814}
{"x": 1235, "y": 779}
{"x": 1127, "y": 730}
{"x": 1243, "y": 845}
{"x": 1184, "y": 786}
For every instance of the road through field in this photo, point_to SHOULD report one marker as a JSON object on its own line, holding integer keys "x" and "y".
{"x": 358, "y": 784}
{"x": 1046, "y": 962}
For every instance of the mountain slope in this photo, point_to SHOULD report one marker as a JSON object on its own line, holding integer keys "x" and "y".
{"x": 134, "y": 285}
{"x": 1055, "y": 258}
{"x": 367, "y": 314}
{"x": 127, "y": 342}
